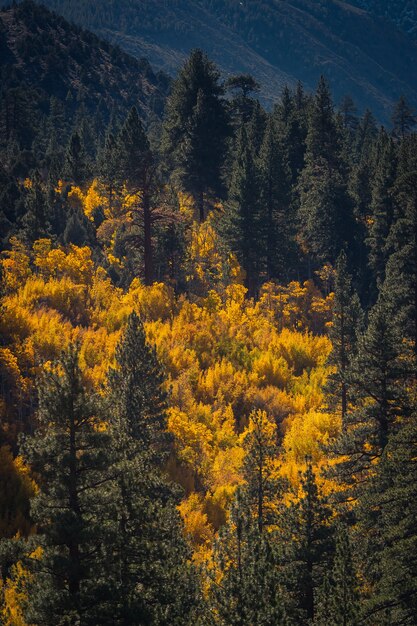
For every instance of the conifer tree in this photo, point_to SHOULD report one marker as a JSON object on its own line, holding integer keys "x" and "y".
{"x": 387, "y": 515}
{"x": 35, "y": 222}
{"x": 262, "y": 487}
{"x": 346, "y": 324}
{"x": 290, "y": 117}
{"x": 242, "y": 103}
{"x": 403, "y": 119}
{"x": 307, "y": 539}
{"x": 277, "y": 221}
{"x": 382, "y": 205}
{"x": 137, "y": 382}
{"x": 109, "y": 168}
{"x": 152, "y": 580}
{"x": 70, "y": 454}
{"x": 326, "y": 210}
{"x": 247, "y": 588}
{"x": 400, "y": 287}
{"x": 377, "y": 378}
{"x": 195, "y": 130}
{"x": 245, "y": 234}
{"x": 76, "y": 169}
{"x": 338, "y": 603}
{"x": 137, "y": 171}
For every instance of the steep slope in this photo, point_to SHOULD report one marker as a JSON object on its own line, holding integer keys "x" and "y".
{"x": 277, "y": 40}
{"x": 402, "y": 13}
{"x": 41, "y": 52}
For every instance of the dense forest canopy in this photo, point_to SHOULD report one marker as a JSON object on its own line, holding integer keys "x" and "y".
{"x": 208, "y": 342}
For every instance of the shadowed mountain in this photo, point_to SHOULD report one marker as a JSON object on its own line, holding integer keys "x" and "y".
{"x": 362, "y": 54}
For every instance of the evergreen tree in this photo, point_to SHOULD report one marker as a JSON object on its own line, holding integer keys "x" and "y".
{"x": 138, "y": 394}
{"x": 403, "y": 119}
{"x": 138, "y": 172}
{"x": 387, "y": 518}
{"x": 262, "y": 484}
{"x": 346, "y": 320}
{"x": 242, "y": 103}
{"x": 307, "y": 539}
{"x": 152, "y": 580}
{"x": 109, "y": 168}
{"x": 35, "y": 223}
{"x": 76, "y": 168}
{"x": 249, "y": 589}
{"x": 196, "y": 127}
{"x": 382, "y": 205}
{"x": 276, "y": 218}
{"x": 326, "y": 212}
{"x": 400, "y": 287}
{"x": 70, "y": 454}
{"x": 338, "y": 603}
{"x": 244, "y": 228}
{"x": 290, "y": 117}
{"x": 377, "y": 378}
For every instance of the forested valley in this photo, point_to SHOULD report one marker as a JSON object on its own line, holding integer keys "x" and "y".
{"x": 208, "y": 343}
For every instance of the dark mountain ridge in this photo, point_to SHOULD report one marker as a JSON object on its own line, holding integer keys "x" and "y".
{"x": 278, "y": 41}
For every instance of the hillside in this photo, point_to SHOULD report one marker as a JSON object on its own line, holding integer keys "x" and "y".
{"x": 41, "y": 52}
{"x": 362, "y": 54}
{"x": 402, "y": 13}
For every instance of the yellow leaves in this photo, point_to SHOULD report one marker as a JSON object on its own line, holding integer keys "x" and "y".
{"x": 272, "y": 371}
{"x": 74, "y": 263}
{"x": 195, "y": 520}
{"x": 308, "y": 433}
{"x": 13, "y": 592}
{"x": 209, "y": 266}
{"x": 93, "y": 200}
{"x": 76, "y": 197}
{"x": 156, "y": 302}
{"x": 15, "y": 265}
{"x": 16, "y": 488}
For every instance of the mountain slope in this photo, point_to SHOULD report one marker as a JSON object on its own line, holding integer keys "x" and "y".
{"x": 41, "y": 52}
{"x": 277, "y": 40}
{"x": 402, "y": 13}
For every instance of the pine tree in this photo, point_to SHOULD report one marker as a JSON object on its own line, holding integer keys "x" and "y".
{"x": 152, "y": 580}
{"x": 377, "y": 378}
{"x": 76, "y": 169}
{"x": 346, "y": 324}
{"x": 137, "y": 170}
{"x": 244, "y": 229}
{"x": 307, "y": 539}
{"x": 70, "y": 454}
{"x": 400, "y": 287}
{"x": 262, "y": 486}
{"x": 247, "y": 587}
{"x": 35, "y": 223}
{"x": 290, "y": 117}
{"x": 382, "y": 205}
{"x": 326, "y": 210}
{"x": 403, "y": 119}
{"x": 276, "y": 218}
{"x": 109, "y": 168}
{"x": 138, "y": 383}
{"x": 195, "y": 130}
{"x": 242, "y": 103}
{"x": 338, "y": 603}
{"x": 387, "y": 517}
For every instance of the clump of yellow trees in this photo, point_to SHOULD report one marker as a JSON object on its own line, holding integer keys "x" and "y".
{"x": 226, "y": 357}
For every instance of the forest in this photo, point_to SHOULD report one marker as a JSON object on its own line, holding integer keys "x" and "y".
{"x": 208, "y": 343}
